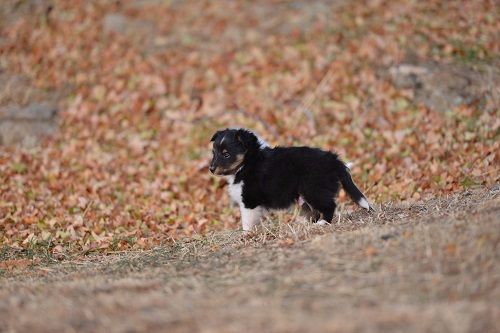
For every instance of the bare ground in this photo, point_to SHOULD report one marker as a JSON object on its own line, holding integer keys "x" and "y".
{"x": 431, "y": 266}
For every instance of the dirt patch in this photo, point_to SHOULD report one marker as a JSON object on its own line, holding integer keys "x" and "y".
{"x": 430, "y": 266}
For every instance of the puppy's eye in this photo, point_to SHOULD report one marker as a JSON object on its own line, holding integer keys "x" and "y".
{"x": 227, "y": 155}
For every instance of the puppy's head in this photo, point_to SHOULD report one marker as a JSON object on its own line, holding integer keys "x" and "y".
{"x": 230, "y": 146}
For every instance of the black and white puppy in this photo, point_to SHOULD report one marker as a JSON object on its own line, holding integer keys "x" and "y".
{"x": 261, "y": 177}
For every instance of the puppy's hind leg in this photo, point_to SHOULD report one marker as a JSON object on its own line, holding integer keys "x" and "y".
{"x": 309, "y": 213}
{"x": 250, "y": 217}
{"x": 322, "y": 201}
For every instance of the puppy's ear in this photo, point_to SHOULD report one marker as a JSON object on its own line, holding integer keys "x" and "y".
{"x": 247, "y": 138}
{"x": 214, "y": 137}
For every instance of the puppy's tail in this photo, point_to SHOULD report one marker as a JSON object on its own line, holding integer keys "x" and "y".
{"x": 352, "y": 190}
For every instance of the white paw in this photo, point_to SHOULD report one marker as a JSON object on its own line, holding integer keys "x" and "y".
{"x": 321, "y": 222}
{"x": 364, "y": 203}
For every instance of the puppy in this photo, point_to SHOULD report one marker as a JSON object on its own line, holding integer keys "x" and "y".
{"x": 262, "y": 178}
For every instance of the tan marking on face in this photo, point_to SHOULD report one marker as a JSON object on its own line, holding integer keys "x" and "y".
{"x": 236, "y": 164}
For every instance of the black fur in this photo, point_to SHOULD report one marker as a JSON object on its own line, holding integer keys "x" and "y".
{"x": 274, "y": 178}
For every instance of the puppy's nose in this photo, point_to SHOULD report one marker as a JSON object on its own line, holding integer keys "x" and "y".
{"x": 211, "y": 168}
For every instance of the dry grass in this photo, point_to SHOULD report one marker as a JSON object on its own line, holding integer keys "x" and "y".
{"x": 430, "y": 266}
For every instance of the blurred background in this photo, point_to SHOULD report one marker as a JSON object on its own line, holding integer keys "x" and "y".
{"x": 107, "y": 107}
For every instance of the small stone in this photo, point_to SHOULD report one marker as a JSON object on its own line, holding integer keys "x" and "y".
{"x": 387, "y": 236}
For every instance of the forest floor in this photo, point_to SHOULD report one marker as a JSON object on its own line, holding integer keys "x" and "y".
{"x": 111, "y": 222}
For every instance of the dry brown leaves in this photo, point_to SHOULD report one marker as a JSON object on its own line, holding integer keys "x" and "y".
{"x": 128, "y": 169}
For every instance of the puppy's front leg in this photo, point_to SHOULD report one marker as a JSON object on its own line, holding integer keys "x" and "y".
{"x": 250, "y": 217}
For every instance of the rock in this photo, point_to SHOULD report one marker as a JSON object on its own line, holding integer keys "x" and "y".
{"x": 441, "y": 87}
{"x": 42, "y": 111}
{"x": 16, "y": 89}
{"x": 26, "y": 125}
{"x": 26, "y": 113}
{"x": 121, "y": 24}
{"x": 387, "y": 236}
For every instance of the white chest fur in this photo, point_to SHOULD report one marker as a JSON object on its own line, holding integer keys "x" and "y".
{"x": 234, "y": 190}
{"x": 249, "y": 217}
